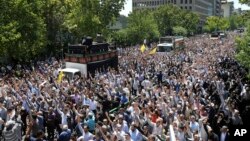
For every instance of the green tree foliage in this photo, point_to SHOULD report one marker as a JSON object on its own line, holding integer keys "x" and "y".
{"x": 166, "y": 18}
{"x": 179, "y": 31}
{"x": 88, "y": 17}
{"x": 214, "y": 23}
{"x": 22, "y": 29}
{"x": 245, "y": 2}
{"x": 148, "y": 24}
{"x": 169, "y": 16}
{"x": 243, "y": 49}
{"x": 29, "y": 29}
{"x": 120, "y": 37}
{"x": 243, "y": 42}
{"x": 236, "y": 21}
{"x": 141, "y": 25}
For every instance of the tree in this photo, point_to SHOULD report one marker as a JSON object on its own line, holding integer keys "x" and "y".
{"x": 169, "y": 16}
{"x": 245, "y": 2}
{"x": 22, "y": 29}
{"x": 141, "y": 25}
{"x": 120, "y": 37}
{"x": 89, "y": 17}
{"x": 189, "y": 21}
{"x": 179, "y": 31}
{"x": 214, "y": 23}
{"x": 166, "y": 18}
{"x": 243, "y": 49}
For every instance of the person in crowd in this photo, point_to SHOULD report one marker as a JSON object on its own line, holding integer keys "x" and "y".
{"x": 200, "y": 90}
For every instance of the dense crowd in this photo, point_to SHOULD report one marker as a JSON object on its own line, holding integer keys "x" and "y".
{"x": 197, "y": 93}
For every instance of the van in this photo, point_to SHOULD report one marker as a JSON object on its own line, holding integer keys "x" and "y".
{"x": 71, "y": 73}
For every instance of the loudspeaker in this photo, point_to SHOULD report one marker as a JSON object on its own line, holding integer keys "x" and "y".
{"x": 87, "y": 41}
{"x": 99, "y": 38}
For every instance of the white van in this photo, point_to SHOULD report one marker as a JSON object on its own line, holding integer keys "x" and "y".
{"x": 71, "y": 73}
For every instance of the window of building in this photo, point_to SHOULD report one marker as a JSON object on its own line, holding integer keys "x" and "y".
{"x": 186, "y": 1}
{"x": 181, "y": 7}
{"x": 190, "y": 7}
{"x": 186, "y": 7}
{"x": 181, "y": 1}
{"x": 174, "y": 1}
{"x": 171, "y": 1}
{"x": 190, "y": 1}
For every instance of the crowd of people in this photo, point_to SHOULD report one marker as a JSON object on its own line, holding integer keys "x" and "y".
{"x": 194, "y": 94}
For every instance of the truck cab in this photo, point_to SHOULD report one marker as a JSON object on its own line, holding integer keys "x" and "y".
{"x": 169, "y": 43}
{"x": 71, "y": 73}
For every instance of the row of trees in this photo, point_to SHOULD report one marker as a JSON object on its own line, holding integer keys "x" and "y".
{"x": 151, "y": 24}
{"x": 31, "y": 28}
{"x": 214, "y": 23}
{"x": 170, "y": 20}
{"x": 243, "y": 42}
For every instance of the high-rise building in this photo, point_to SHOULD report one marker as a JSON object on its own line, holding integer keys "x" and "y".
{"x": 227, "y": 8}
{"x": 216, "y": 7}
{"x": 204, "y": 8}
{"x": 238, "y": 11}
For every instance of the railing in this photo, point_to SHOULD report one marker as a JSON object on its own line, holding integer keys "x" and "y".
{"x": 79, "y": 58}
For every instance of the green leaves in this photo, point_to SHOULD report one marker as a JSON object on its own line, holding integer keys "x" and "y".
{"x": 179, "y": 31}
{"x": 243, "y": 49}
{"x": 150, "y": 25}
{"x": 215, "y": 23}
{"x": 22, "y": 29}
{"x": 88, "y": 17}
{"x": 245, "y": 1}
{"x": 31, "y": 28}
{"x": 169, "y": 16}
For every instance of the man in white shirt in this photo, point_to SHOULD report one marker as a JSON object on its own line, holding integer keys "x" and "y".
{"x": 135, "y": 86}
{"x": 194, "y": 125}
{"x": 119, "y": 133}
{"x": 224, "y": 136}
{"x": 135, "y": 135}
{"x": 92, "y": 104}
{"x": 86, "y": 135}
{"x": 63, "y": 116}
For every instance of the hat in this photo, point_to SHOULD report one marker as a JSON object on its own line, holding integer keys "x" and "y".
{"x": 224, "y": 127}
{"x": 104, "y": 127}
{"x": 127, "y": 134}
{"x": 120, "y": 116}
{"x": 65, "y": 127}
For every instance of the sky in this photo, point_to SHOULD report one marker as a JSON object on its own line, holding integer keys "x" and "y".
{"x": 128, "y": 6}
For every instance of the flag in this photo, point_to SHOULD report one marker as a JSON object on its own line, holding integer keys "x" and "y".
{"x": 153, "y": 51}
{"x": 60, "y": 77}
{"x": 143, "y": 48}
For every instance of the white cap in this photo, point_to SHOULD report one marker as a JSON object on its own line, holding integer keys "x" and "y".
{"x": 65, "y": 127}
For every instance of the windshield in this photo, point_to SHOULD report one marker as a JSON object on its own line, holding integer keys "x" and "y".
{"x": 69, "y": 75}
{"x": 165, "y": 40}
{"x": 164, "y": 48}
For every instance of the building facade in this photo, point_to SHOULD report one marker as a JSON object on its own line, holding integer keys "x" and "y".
{"x": 238, "y": 11}
{"x": 216, "y": 7}
{"x": 204, "y": 8}
{"x": 227, "y": 8}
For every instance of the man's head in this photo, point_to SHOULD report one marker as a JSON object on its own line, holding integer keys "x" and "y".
{"x": 133, "y": 126}
{"x": 65, "y": 127}
{"x": 120, "y": 119}
{"x": 224, "y": 129}
{"x": 85, "y": 128}
{"x": 119, "y": 127}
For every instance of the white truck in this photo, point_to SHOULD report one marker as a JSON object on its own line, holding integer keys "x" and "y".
{"x": 168, "y": 43}
{"x": 73, "y": 69}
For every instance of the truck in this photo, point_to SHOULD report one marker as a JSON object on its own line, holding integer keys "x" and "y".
{"x": 169, "y": 43}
